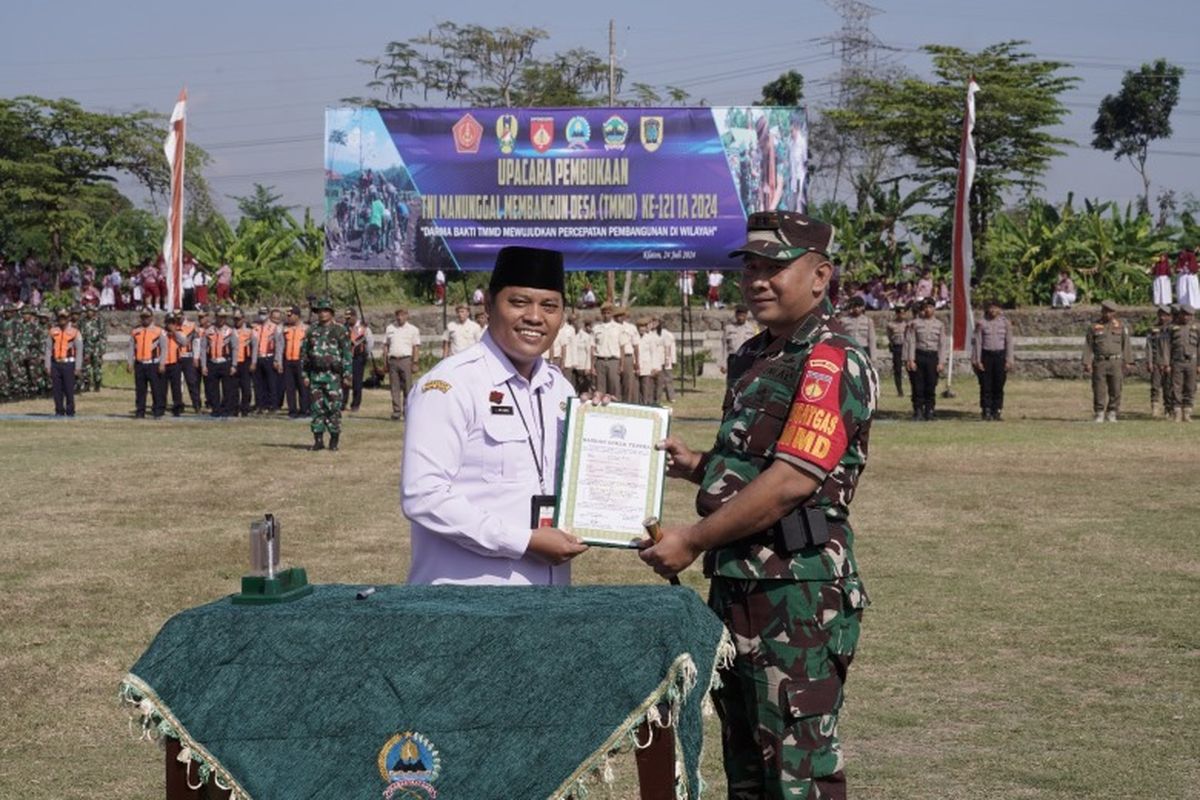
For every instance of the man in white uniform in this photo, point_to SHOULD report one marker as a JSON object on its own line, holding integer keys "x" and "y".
{"x": 481, "y": 447}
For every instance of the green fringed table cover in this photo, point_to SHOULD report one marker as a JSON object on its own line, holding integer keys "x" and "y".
{"x": 420, "y": 691}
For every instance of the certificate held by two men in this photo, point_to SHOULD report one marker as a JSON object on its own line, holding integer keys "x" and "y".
{"x": 612, "y": 474}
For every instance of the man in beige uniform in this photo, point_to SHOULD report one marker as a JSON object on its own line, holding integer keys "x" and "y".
{"x": 608, "y": 336}
{"x": 668, "y": 353}
{"x": 1158, "y": 362}
{"x": 926, "y": 348}
{"x": 859, "y": 325}
{"x": 461, "y": 333}
{"x": 629, "y": 338}
{"x": 1107, "y": 355}
{"x": 896, "y": 327}
{"x": 1185, "y": 360}
{"x": 648, "y": 363}
{"x": 559, "y": 354}
{"x": 992, "y": 358}
{"x": 736, "y": 334}
{"x": 401, "y": 351}
{"x": 582, "y": 353}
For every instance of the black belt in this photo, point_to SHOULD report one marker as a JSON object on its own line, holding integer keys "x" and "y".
{"x": 607, "y": 358}
{"x": 927, "y": 353}
{"x": 1107, "y": 358}
{"x": 996, "y": 352}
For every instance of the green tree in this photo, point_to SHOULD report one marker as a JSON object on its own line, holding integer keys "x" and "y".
{"x": 262, "y": 206}
{"x": 483, "y": 66}
{"x": 1017, "y": 106}
{"x": 786, "y": 90}
{"x": 59, "y": 163}
{"x": 1140, "y": 113}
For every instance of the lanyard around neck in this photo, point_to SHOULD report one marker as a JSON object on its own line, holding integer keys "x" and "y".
{"x": 537, "y": 462}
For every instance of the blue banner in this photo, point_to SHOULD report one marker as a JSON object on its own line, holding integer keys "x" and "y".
{"x": 619, "y": 188}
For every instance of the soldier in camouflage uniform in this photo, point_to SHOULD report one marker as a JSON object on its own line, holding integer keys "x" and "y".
{"x": 1185, "y": 361}
{"x": 325, "y": 354}
{"x": 774, "y": 495}
{"x": 94, "y": 344}
{"x": 6, "y": 348}
{"x": 26, "y": 370}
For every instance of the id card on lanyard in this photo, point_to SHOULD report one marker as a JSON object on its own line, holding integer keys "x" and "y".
{"x": 541, "y": 506}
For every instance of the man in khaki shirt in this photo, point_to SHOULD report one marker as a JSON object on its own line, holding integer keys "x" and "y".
{"x": 1185, "y": 360}
{"x": 926, "y": 348}
{"x": 461, "y": 333}
{"x": 629, "y": 338}
{"x": 608, "y": 335}
{"x": 992, "y": 358}
{"x": 736, "y": 334}
{"x": 1107, "y": 356}
{"x": 401, "y": 351}
{"x": 896, "y": 327}
{"x": 859, "y": 325}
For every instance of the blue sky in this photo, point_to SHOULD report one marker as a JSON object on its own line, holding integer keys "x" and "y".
{"x": 260, "y": 72}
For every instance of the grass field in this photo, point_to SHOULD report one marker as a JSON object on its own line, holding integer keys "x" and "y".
{"x": 1034, "y": 633}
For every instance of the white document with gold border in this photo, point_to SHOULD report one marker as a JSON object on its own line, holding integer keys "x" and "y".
{"x": 612, "y": 474}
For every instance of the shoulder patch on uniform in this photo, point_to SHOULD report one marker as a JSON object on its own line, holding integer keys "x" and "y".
{"x": 441, "y": 386}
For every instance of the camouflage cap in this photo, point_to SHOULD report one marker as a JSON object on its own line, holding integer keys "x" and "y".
{"x": 784, "y": 236}
{"x": 1187, "y": 309}
{"x": 1174, "y": 308}
{"x": 62, "y": 313}
{"x": 322, "y": 304}
{"x": 1163, "y": 309}
{"x": 43, "y": 313}
{"x": 1108, "y": 305}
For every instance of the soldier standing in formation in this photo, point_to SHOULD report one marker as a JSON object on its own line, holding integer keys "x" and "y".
{"x": 774, "y": 493}
{"x": 402, "y": 352}
{"x": 1185, "y": 360}
{"x": 64, "y": 363}
{"x": 147, "y": 346}
{"x": 629, "y": 338}
{"x": 896, "y": 327}
{"x": 926, "y": 347}
{"x": 95, "y": 343}
{"x": 736, "y": 334}
{"x": 294, "y": 388}
{"x": 1107, "y": 355}
{"x": 992, "y": 358}
{"x": 1158, "y": 362}
{"x": 216, "y": 349}
{"x": 859, "y": 325}
{"x": 609, "y": 353}
{"x": 326, "y": 356}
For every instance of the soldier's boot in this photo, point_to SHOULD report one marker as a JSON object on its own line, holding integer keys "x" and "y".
{"x": 333, "y": 440}
{"x": 1177, "y": 415}
{"x": 1187, "y": 413}
{"x": 318, "y": 442}
{"x": 1155, "y": 410}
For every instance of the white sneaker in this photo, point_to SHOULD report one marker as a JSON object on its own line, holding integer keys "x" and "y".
{"x": 1112, "y": 416}
{"x": 1099, "y": 417}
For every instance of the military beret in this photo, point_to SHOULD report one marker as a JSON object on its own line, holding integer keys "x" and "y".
{"x": 1108, "y": 305}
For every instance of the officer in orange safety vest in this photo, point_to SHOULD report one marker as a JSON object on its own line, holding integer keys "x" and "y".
{"x": 64, "y": 363}
{"x": 147, "y": 346}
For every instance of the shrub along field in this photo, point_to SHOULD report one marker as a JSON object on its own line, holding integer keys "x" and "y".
{"x": 1034, "y": 633}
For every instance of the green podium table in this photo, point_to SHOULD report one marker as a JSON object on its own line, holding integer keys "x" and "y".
{"x": 418, "y": 691}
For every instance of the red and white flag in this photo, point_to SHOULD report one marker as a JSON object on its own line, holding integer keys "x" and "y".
{"x": 172, "y": 249}
{"x": 963, "y": 260}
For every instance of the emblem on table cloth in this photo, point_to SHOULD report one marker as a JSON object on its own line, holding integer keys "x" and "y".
{"x": 410, "y": 765}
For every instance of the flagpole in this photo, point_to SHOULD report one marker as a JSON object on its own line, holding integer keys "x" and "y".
{"x": 962, "y": 256}
{"x": 172, "y": 250}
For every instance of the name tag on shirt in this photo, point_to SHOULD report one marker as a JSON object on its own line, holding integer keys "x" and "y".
{"x": 504, "y": 411}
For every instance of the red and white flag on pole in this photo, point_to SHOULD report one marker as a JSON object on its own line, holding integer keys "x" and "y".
{"x": 172, "y": 249}
{"x": 963, "y": 260}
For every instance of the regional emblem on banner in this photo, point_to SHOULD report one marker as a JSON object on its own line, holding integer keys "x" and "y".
{"x": 541, "y": 133}
{"x": 616, "y": 130}
{"x": 816, "y": 385}
{"x": 467, "y": 134}
{"x": 578, "y": 133}
{"x": 652, "y": 133}
{"x": 410, "y": 765}
{"x": 506, "y": 132}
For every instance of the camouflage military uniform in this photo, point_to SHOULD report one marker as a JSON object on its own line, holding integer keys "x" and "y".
{"x": 325, "y": 354}
{"x": 808, "y": 399}
{"x": 94, "y": 344}
{"x": 6, "y": 345}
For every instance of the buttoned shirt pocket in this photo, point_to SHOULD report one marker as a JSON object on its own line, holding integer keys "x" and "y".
{"x": 761, "y": 413}
{"x": 506, "y": 456}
